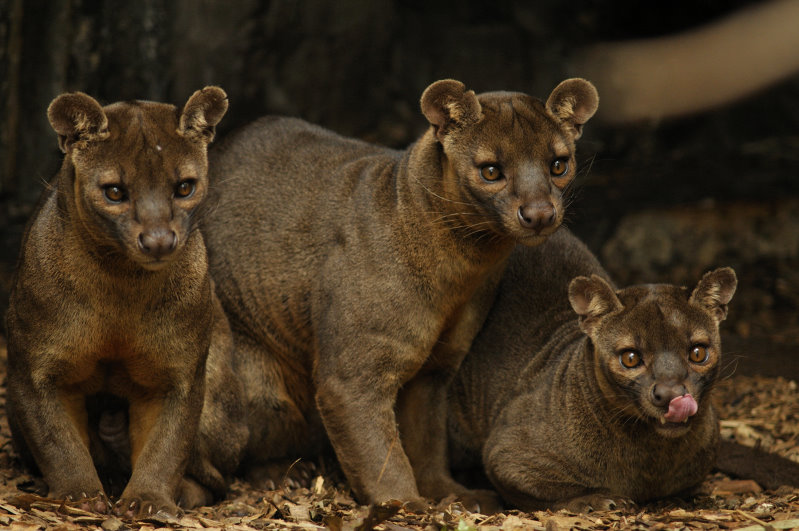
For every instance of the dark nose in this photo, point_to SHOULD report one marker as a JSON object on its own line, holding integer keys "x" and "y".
{"x": 663, "y": 393}
{"x": 157, "y": 242}
{"x": 536, "y": 215}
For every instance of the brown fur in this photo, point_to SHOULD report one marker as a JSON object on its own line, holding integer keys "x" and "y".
{"x": 352, "y": 273}
{"x": 113, "y": 314}
{"x": 543, "y": 402}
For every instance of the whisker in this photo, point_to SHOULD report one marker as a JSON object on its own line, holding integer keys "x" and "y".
{"x": 454, "y": 215}
{"x": 476, "y": 228}
{"x": 428, "y": 190}
{"x": 729, "y": 369}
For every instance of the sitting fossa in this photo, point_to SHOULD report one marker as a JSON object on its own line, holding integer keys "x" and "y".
{"x": 355, "y": 276}
{"x": 112, "y": 314}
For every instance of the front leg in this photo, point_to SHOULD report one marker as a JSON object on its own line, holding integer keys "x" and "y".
{"x": 162, "y": 430}
{"x": 422, "y": 406}
{"x": 358, "y": 414}
{"x": 52, "y": 425}
{"x": 422, "y": 413}
{"x": 533, "y": 475}
{"x": 356, "y": 389}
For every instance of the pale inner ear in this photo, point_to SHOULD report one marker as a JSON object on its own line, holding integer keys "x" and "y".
{"x": 592, "y": 297}
{"x": 715, "y": 290}
{"x": 580, "y": 300}
{"x": 573, "y": 102}
{"x": 202, "y": 112}
{"x": 447, "y": 101}
{"x": 455, "y": 111}
{"x": 77, "y": 117}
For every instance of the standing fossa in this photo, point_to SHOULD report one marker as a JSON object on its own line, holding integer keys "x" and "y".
{"x": 355, "y": 276}
{"x": 112, "y": 313}
{"x": 577, "y": 395}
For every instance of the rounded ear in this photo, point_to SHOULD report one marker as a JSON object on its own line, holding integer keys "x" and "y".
{"x": 77, "y": 117}
{"x": 573, "y": 102}
{"x": 715, "y": 291}
{"x": 592, "y": 298}
{"x": 446, "y": 103}
{"x": 201, "y": 113}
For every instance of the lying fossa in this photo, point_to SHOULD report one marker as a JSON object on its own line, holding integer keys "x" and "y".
{"x": 579, "y": 395}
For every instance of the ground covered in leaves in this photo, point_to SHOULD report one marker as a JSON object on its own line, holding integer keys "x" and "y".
{"x": 757, "y": 411}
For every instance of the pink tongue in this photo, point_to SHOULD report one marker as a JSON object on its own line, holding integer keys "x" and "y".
{"x": 680, "y": 408}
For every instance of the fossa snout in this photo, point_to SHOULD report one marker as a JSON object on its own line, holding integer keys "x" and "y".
{"x": 158, "y": 242}
{"x": 537, "y": 215}
{"x": 159, "y": 227}
{"x": 669, "y": 372}
{"x": 662, "y": 393}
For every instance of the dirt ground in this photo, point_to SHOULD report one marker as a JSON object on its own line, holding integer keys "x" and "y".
{"x": 756, "y": 411}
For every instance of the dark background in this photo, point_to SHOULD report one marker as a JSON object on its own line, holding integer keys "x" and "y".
{"x": 656, "y": 201}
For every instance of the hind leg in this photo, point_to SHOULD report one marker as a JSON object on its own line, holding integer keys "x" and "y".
{"x": 422, "y": 408}
{"x": 283, "y": 423}
{"x": 222, "y": 434}
{"x": 290, "y": 473}
{"x": 192, "y": 494}
{"x": 424, "y": 437}
{"x": 110, "y": 441}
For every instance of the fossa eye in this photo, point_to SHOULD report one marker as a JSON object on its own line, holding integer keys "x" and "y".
{"x": 559, "y": 167}
{"x": 630, "y": 359}
{"x": 490, "y": 172}
{"x": 185, "y": 188}
{"x": 698, "y": 354}
{"x": 115, "y": 193}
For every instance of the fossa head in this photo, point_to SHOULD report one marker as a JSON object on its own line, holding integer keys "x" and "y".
{"x": 657, "y": 350}
{"x": 509, "y": 154}
{"x": 139, "y": 170}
